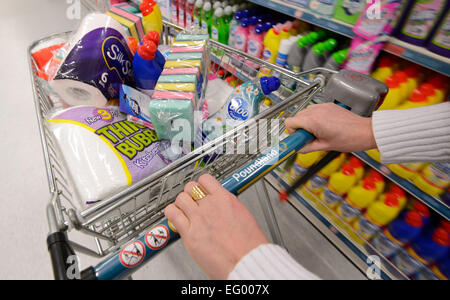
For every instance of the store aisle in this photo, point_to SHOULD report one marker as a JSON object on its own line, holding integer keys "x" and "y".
{"x": 23, "y": 180}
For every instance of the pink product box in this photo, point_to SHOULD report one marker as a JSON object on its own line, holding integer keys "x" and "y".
{"x": 168, "y": 95}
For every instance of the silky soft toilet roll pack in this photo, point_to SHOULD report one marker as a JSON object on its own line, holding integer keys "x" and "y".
{"x": 103, "y": 152}
{"x": 98, "y": 60}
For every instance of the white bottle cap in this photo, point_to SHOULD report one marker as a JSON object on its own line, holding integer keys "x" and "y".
{"x": 199, "y": 3}
{"x": 207, "y": 6}
{"x": 217, "y": 4}
{"x": 228, "y": 10}
{"x": 235, "y": 8}
{"x": 218, "y": 13}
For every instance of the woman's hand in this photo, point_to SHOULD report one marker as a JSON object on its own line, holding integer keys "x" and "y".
{"x": 334, "y": 127}
{"x": 217, "y": 230}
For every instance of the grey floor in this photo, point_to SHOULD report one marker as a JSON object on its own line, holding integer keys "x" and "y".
{"x": 23, "y": 179}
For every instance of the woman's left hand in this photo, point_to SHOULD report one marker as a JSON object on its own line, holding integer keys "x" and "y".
{"x": 217, "y": 230}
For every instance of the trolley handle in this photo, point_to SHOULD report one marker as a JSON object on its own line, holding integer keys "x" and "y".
{"x": 60, "y": 252}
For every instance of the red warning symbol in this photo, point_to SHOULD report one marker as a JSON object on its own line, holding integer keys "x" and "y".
{"x": 133, "y": 254}
{"x": 157, "y": 237}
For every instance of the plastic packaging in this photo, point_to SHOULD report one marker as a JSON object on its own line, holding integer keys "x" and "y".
{"x": 241, "y": 105}
{"x": 132, "y": 102}
{"x": 421, "y": 20}
{"x": 440, "y": 42}
{"x": 348, "y": 11}
{"x": 362, "y": 55}
{"x": 103, "y": 152}
{"x": 323, "y": 7}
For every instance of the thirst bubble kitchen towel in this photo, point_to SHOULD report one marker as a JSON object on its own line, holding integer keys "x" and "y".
{"x": 103, "y": 152}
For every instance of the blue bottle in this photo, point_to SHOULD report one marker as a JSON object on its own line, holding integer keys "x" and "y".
{"x": 431, "y": 247}
{"x": 146, "y": 69}
{"x": 442, "y": 268}
{"x": 400, "y": 232}
{"x": 153, "y": 36}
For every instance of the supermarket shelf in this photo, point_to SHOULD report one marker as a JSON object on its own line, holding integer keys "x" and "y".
{"x": 432, "y": 202}
{"x": 337, "y": 231}
{"x": 394, "y": 46}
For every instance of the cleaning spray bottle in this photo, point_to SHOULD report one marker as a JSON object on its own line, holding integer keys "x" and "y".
{"x": 241, "y": 36}
{"x": 217, "y": 27}
{"x": 385, "y": 68}
{"x": 271, "y": 45}
{"x": 235, "y": 22}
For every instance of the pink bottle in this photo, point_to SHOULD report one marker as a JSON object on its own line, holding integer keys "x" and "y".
{"x": 255, "y": 44}
{"x": 189, "y": 13}
{"x": 182, "y": 13}
{"x": 241, "y": 36}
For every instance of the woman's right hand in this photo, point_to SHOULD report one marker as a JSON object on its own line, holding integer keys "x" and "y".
{"x": 334, "y": 127}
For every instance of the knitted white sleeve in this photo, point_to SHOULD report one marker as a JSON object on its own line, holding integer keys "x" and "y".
{"x": 413, "y": 135}
{"x": 269, "y": 262}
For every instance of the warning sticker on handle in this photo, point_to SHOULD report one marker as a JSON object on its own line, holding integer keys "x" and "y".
{"x": 157, "y": 237}
{"x": 132, "y": 255}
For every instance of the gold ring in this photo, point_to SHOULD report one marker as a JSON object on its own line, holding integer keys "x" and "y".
{"x": 197, "y": 193}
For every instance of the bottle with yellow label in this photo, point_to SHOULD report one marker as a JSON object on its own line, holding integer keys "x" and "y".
{"x": 379, "y": 214}
{"x": 385, "y": 68}
{"x": 406, "y": 170}
{"x": 319, "y": 180}
{"x": 271, "y": 45}
{"x": 152, "y": 17}
{"x": 338, "y": 185}
{"x": 303, "y": 162}
{"x": 358, "y": 199}
{"x": 434, "y": 179}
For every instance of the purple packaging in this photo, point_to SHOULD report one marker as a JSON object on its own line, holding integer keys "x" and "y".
{"x": 440, "y": 42}
{"x": 99, "y": 57}
{"x": 362, "y": 55}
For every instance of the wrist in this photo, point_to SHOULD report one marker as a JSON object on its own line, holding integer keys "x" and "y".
{"x": 368, "y": 135}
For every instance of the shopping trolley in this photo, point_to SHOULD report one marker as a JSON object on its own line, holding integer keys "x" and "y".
{"x": 125, "y": 225}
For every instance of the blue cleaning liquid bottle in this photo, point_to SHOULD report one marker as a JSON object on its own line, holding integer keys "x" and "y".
{"x": 145, "y": 68}
{"x": 399, "y": 233}
{"x": 241, "y": 105}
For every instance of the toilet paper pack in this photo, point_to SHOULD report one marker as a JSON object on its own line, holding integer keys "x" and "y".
{"x": 103, "y": 152}
{"x": 98, "y": 60}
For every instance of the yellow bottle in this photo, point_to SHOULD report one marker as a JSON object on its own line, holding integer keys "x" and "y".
{"x": 358, "y": 199}
{"x": 406, "y": 170}
{"x": 152, "y": 17}
{"x": 417, "y": 99}
{"x": 430, "y": 91}
{"x": 338, "y": 185}
{"x": 319, "y": 180}
{"x": 303, "y": 162}
{"x": 385, "y": 68}
{"x": 413, "y": 72}
{"x": 379, "y": 180}
{"x": 271, "y": 45}
{"x": 434, "y": 179}
{"x": 395, "y": 95}
{"x": 440, "y": 84}
{"x": 358, "y": 166}
{"x": 379, "y": 213}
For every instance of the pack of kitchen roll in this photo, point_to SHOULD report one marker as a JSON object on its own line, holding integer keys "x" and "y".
{"x": 103, "y": 152}
{"x": 97, "y": 59}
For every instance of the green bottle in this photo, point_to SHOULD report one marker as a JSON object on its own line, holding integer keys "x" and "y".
{"x": 198, "y": 14}
{"x": 206, "y": 17}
